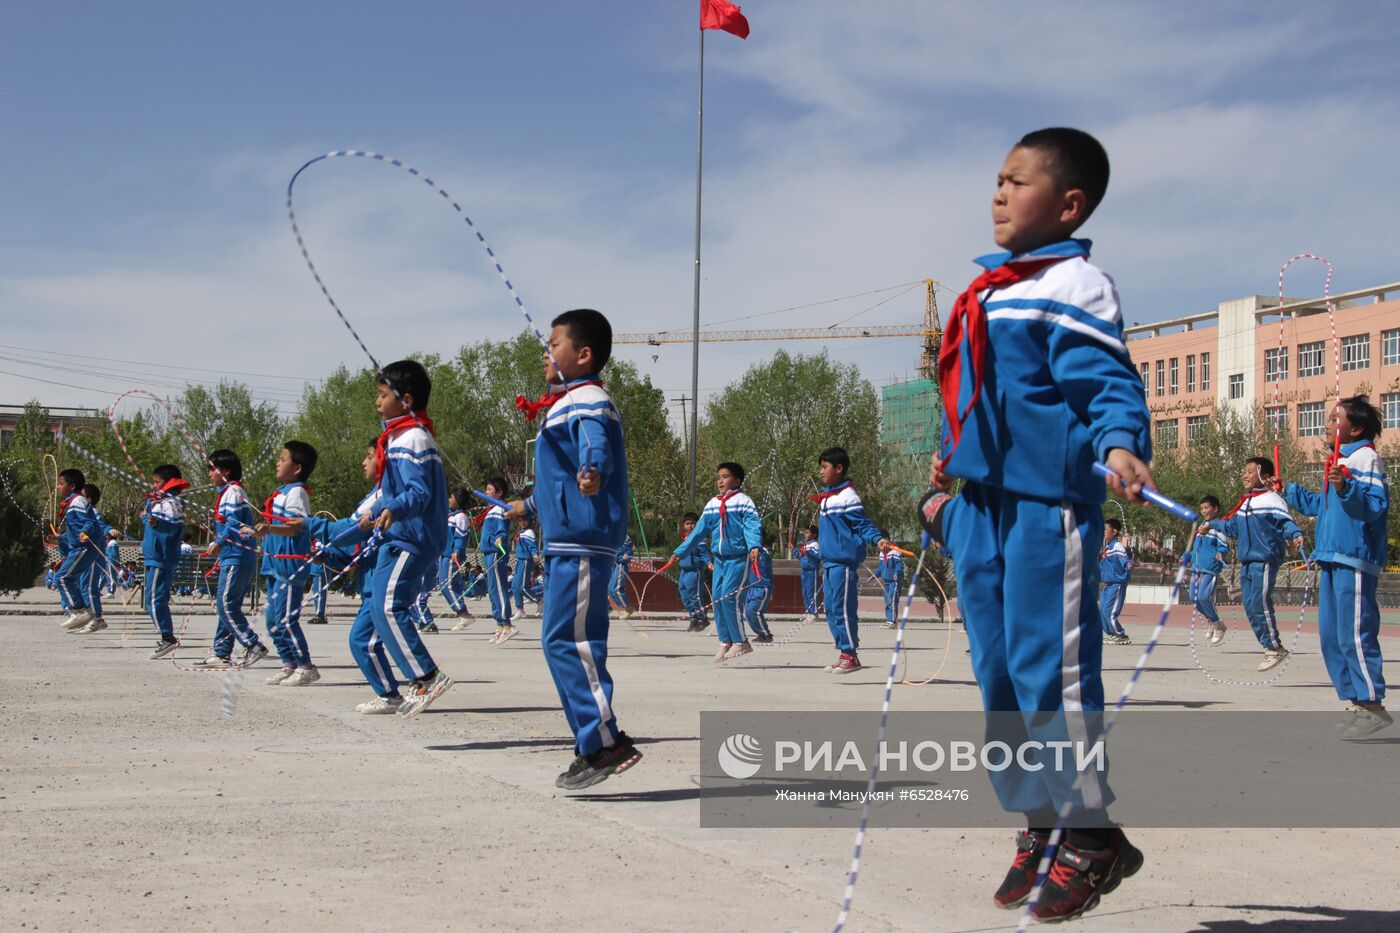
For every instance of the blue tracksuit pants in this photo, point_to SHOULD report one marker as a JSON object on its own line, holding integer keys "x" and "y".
{"x": 727, "y": 586}
{"x": 694, "y": 604}
{"x": 367, "y": 648}
{"x": 284, "y": 620}
{"x": 1203, "y": 595}
{"x": 1027, "y": 570}
{"x": 756, "y": 609}
{"x": 496, "y": 588}
{"x": 893, "y": 589}
{"x": 810, "y": 602}
{"x": 574, "y": 635}
{"x": 617, "y": 587}
{"x": 157, "y": 596}
{"x": 1348, "y": 628}
{"x": 393, "y": 598}
{"x": 842, "y": 586}
{"x": 234, "y": 580}
{"x": 425, "y": 587}
{"x": 320, "y": 591}
{"x": 69, "y": 577}
{"x": 520, "y": 583}
{"x": 1110, "y": 606}
{"x": 1257, "y": 591}
{"x": 454, "y": 589}
{"x": 92, "y": 586}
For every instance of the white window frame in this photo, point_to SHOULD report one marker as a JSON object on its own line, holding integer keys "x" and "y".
{"x": 1356, "y": 352}
{"x": 1312, "y": 358}
{"x": 1190, "y": 372}
{"x": 1234, "y": 388}
{"x": 1390, "y": 410}
{"x": 1312, "y": 419}
{"x": 1205, "y": 372}
{"x": 1390, "y": 347}
{"x": 1276, "y": 364}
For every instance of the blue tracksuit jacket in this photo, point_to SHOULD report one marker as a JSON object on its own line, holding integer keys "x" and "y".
{"x": 1351, "y": 525}
{"x": 1260, "y": 526}
{"x": 414, "y": 490}
{"x": 233, "y": 512}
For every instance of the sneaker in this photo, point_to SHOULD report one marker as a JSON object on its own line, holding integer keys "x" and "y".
{"x": 694, "y": 626}
{"x": 380, "y": 706}
{"x": 1217, "y": 634}
{"x": 830, "y": 668}
{"x": 463, "y": 623}
{"x": 281, "y": 675}
{"x": 505, "y": 633}
{"x": 846, "y": 664}
{"x": 77, "y": 620}
{"x": 627, "y": 613}
{"x": 1273, "y": 657}
{"x": 763, "y": 640}
{"x": 809, "y": 618}
{"x": 213, "y": 662}
{"x": 163, "y": 648}
{"x": 253, "y": 655}
{"x": 317, "y": 620}
{"x": 96, "y": 625}
{"x": 431, "y": 628}
{"x": 588, "y": 770}
{"x": 1020, "y": 877}
{"x": 423, "y": 692}
{"x": 889, "y": 624}
{"x": 1117, "y": 640}
{"x": 1366, "y": 722}
{"x": 724, "y": 647}
{"x": 1348, "y": 718}
{"x": 302, "y": 677}
{"x": 738, "y": 651}
{"x": 1080, "y": 877}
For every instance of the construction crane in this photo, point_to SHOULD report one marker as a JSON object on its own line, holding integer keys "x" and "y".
{"x": 930, "y": 331}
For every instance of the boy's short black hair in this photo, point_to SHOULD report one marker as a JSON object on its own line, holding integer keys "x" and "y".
{"x": 93, "y": 494}
{"x": 463, "y": 495}
{"x": 588, "y": 328}
{"x": 408, "y": 377}
{"x": 1074, "y": 159}
{"x": 1266, "y": 466}
{"x": 1211, "y": 501}
{"x": 1114, "y": 523}
{"x": 690, "y": 517}
{"x": 1361, "y": 413}
{"x": 501, "y": 483}
{"x": 373, "y": 443}
{"x": 304, "y": 456}
{"x": 227, "y": 463}
{"x": 736, "y": 470}
{"x": 836, "y": 456}
{"x": 812, "y": 529}
{"x": 166, "y": 472}
{"x": 75, "y": 478}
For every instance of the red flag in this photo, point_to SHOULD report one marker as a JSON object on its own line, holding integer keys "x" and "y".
{"x": 721, "y": 14}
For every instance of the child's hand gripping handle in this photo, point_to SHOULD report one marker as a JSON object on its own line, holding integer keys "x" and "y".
{"x": 1156, "y": 498}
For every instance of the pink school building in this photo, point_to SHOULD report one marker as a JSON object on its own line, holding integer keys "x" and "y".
{"x": 1232, "y": 356}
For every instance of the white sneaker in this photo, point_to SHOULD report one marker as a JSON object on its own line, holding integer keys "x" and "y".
{"x": 380, "y": 706}
{"x": 1273, "y": 657}
{"x": 463, "y": 623}
{"x": 281, "y": 675}
{"x": 253, "y": 655}
{"x": 1366, "y": 722}
{"x": 302, "y": 676}
{"x": 1217, "y": 634}
{"x": 1345, "y": 722}
{"x": 723, "y": 651}
{"x": 77, "y": 620}
{"x": 889, "y": 624}
{"x": 809, "y": 618}
{"x": 738, "y": 651}
{"x": 96, "y": 625}
{"x": 213, "y": 662}
{"x": 422, "y": 694}
{"x": 505, "y": 633}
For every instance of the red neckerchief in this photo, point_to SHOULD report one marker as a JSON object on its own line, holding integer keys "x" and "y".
{"x": 63, "y": 506}
{"x": 392, "y": 427}
{"x": 546, "y": 401}
{"x": 219, "y": 500}
{"x": 722, "y": 500}
{"x": 172, "y": 487}
{"x": 1245, "y": 498}
{"x": 267, "y": 506}
{"x": 968, "y": 325}
{"x": 821, "y": 497}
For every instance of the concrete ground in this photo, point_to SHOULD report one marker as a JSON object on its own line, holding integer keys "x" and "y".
{"x": 128, "y": 801}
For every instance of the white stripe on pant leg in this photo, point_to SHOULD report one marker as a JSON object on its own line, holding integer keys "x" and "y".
{"x": 1071, "y": 690}
{"x": 845, "y": 608}
{"x": 1361, "y": 655}
{"x": 1270, "y": 623}
{"x": 415, "y": 669}
{"x": 585, "y": 650}
{"x": 153, "y": 585}
{"x": 374, "y": 659}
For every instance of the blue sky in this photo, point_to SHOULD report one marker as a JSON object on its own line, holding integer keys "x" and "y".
{"x": 848, "y": 148}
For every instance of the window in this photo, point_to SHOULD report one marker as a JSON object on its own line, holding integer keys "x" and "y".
{"x": 1310, "y": 358}
{"x": 1173, "y": 382}
{"x": 1390, "y": 347}
{"x": 1278, "y": 418}
{"x": 1143, "y": 368}
{"x": 1312, "y": 419}
{"x": 1191, "y": 373}
{"x": 1161, "y": 378}
{"x": 1166, "y": 435}
{"x": 1205, "y": 372}
{"x": 1236, "y": 385}
{"x": 1195, "y": 425}
{"x": 1390, "y": 410}
{"x": 1276, "y": 364}
{"x": 1356, "y": 352}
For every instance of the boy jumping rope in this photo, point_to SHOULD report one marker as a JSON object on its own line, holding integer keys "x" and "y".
{"x": 160, "y": 551}
{"x": 731, "y": 522}
{"x": 1115, "y": 569}
{"x": 690, "y": 566}
{"x": 1207, "y": 557}
{"x": 845, "y": 532}
{"x": 1352, "y": 512}
{"x": 237, "y": 553}
{"x": 286, "y": 545}
{"x": 890, "y": 573}
{"x": 1037, "y": 386}
{"x": 580, "y": 502}
{"x": 809, "y": 559}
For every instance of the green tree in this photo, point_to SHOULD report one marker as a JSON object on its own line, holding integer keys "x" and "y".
{"x": 25, "y": 501}
{"x": 338, "y": 419}
{"x": 227, "y": 417}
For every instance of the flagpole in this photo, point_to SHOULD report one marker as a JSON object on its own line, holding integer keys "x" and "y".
{"x": 694, "y": 425}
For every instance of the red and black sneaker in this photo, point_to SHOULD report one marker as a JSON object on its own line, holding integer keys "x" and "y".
{"x": 1080, "y": 877}
{"x": 1020, "y": 877}
{"x": 588, "y": 770}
